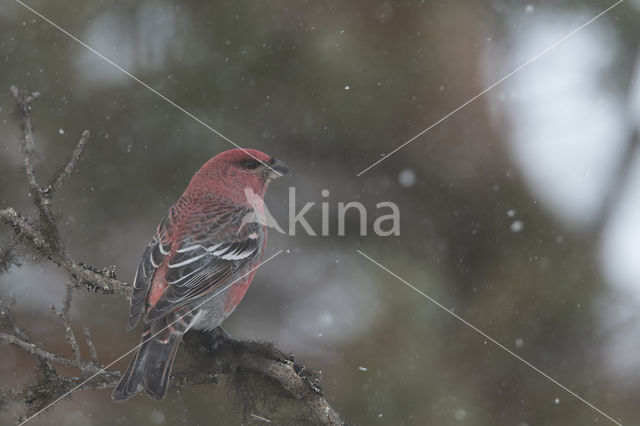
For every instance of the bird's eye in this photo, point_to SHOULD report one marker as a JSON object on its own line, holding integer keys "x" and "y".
{"x": 251, "y": 165}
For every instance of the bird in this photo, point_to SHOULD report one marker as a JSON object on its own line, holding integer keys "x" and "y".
{"x": 199, "y": 264}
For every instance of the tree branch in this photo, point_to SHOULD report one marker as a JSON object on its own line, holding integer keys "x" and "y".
{"x": 7, "y": 256}
{"x": 65, "y": 316}
{"x": 58, "y": 180}
{"x": 92, "y": 278}
{"x": 92, "y": 347}
{"x": 23, "y": 116}
{"x": 268, "y": 383}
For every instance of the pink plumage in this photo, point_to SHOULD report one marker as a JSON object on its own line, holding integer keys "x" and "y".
{"x": 200, "y": 262}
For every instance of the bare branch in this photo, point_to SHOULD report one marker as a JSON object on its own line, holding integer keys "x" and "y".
{"x": 92, "y": 347}
{"x": 86, "y": 275}
{"x": 35, "y": 350}
{"x": 65, "y": 316}
{"x": 22, "y": 227}
{"x": 90, "y": 277}
{"x": 58, "y": 180}
{"x": 23, "y": 113}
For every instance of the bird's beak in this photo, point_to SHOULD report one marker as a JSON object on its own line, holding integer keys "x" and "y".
{"x": 278, "y": 169}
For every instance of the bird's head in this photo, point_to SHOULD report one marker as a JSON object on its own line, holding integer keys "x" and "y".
{"x": 235, "y": 170}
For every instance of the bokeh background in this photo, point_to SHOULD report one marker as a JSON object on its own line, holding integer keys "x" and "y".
{"x": 521, "y": 212}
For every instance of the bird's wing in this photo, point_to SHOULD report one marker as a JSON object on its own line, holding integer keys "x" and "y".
{"x": 152, "y": 258}
{"x": 220, "y": 242}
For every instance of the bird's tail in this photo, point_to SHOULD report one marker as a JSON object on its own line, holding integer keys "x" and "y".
{"x": 151, "y": 367}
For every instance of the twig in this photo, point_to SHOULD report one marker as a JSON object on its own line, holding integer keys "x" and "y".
{"x": 90, "y": 344}
{"x": 7, "y": 256}
{"x": 36, "y": 351}
{"x": 65, "y": 316}
{"x": 22, "y": 227}
{"x": 58, "y": 180}
{"x": 23, "y": 112}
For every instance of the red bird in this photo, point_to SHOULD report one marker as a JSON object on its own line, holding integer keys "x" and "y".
{"x": 213, "y": 235}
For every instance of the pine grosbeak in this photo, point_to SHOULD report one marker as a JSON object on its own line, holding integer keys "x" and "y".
{"x": 213, "y": 235}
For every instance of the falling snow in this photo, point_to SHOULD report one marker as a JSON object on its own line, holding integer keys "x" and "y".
{"x": 517, "y": 226}
{"x": 407, "y": 178}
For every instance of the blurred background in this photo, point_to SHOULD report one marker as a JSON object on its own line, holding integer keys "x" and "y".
{"x": 519, "y": 212}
